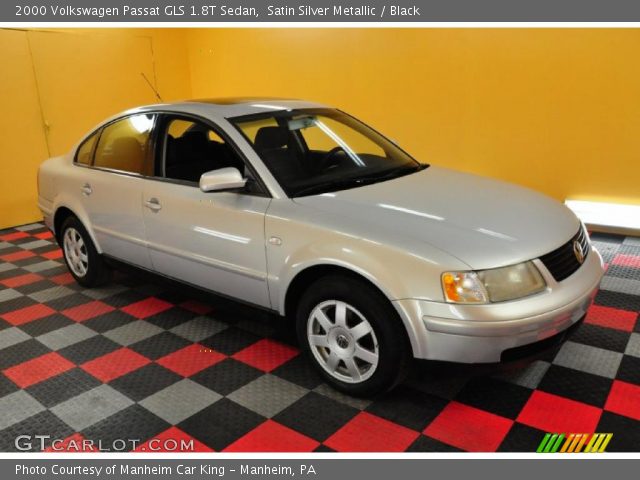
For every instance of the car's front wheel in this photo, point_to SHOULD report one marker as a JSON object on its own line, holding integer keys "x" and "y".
{"x": 353, "y": 335}
{"x": 83, "y": 260}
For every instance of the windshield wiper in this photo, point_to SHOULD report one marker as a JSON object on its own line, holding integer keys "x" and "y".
{"x": 324, "y": 187}
{"x": 333, "y": 185}
{"x": 393, "y": 173}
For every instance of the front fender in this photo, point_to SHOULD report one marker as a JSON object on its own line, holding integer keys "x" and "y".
{"x": 389, "y": 281}
{"x": 349, "y": 257}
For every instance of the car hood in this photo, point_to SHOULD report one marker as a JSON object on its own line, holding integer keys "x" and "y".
{"x": 483, "y": 222}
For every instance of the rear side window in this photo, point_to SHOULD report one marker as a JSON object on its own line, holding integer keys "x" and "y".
{"x": 124, "y": 145}
{"x": 85, "y": 152}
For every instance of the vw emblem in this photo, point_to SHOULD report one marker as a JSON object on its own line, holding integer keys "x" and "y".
{"x": 342, "y": 341}
{"x": 578, "y": 252}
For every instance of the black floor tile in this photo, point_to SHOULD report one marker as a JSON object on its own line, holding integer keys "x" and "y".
{"x": 495, "y": 396}
{"x": 42, "y": 424}
{"x": 89, "y": 349}
{"x": 221, "y": 424}
{"x": 576, "y": 385}
{"x": 226, "y": 376}
{"x": 316, "y": 416}
{"x": 407, "y": 407}
{"x": 159, "y": 345}
{"x": 230, "y": 340}
{"x": 145, "y": 381}
{"x": 134, "y": 424}
{"x": 59, "y": 388}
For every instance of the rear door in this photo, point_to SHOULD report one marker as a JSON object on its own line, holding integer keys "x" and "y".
{"x": 213, "y": 240}
{"x": 112, "y": 188}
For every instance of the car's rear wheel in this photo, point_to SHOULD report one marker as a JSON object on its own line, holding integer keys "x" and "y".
{"x": 353, "y": 335}
{"x": 80, "y": 254}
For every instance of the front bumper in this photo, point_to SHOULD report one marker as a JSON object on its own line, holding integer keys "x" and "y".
{"x": 481, "y": 333}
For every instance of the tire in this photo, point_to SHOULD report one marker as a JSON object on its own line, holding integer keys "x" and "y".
{"x": 371, "y": 326}
{"x": 83, "y": 260}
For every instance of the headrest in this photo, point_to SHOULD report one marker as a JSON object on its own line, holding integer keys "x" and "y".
{"x": 271, "y": 137}
{"x": 195, "y": 138}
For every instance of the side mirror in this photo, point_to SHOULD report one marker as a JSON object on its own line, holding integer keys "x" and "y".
{"x": 228, "y": 178}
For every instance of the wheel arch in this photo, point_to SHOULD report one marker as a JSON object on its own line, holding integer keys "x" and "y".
{"x": 61, "y": 213}
{"x": 305, "y": 278}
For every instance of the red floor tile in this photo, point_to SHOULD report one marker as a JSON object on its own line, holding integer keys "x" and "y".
{"x": 20, "y": 280}
{"x": 115, "y": 364}
{"x": 266, "y": 354}
{"x": 627, "y": 260}
{"x": 190, "y": 360}
{"x": 44, "y": 235}
{"x": 147, "y": 307}
{"x": 27, "y": 314}
{"x": 15, "y": 256}
{"x": 611, "y": 318}
{"x": 624, "y": 399}
{"x": 369, "y": 433}
{"x": 63, "y": 279}
{"x": 39, "y": 369}
{"x": 73, "y": 443}
{"x": 86, "y": 311}
{"x": 53, "y": 254}
{"x": 552, "y": 413}
{"x": 172, "y": 440}
{"x": 196, "y": 307}
{"x": 469, "y": 428}
{"x": 9, "y": 237}
{"x": 273, "y": 437}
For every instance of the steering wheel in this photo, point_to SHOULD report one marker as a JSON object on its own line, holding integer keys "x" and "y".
{"x": 327, "y": 161}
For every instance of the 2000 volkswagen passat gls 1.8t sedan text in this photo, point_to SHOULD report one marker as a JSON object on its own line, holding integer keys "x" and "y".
{"x": 302, "y": 209}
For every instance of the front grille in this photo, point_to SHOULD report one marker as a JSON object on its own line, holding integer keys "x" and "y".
{"x": 563, "y": 262}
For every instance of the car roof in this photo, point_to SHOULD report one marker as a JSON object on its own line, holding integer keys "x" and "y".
{"x": 228, "y": 107}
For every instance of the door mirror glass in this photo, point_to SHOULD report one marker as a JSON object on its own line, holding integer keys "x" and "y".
{"x": 228, "y": 178}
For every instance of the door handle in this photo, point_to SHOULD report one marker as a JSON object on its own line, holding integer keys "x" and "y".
{"x": 86, "y": 189}
{"x": 153, "y": 204}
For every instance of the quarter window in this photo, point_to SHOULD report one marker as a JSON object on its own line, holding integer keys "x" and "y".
{"x": 85, "y": 152}
{"x": 124, "y": 145}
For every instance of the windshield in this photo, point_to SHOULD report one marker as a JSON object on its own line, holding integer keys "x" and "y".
{"x": 313, "y": 151}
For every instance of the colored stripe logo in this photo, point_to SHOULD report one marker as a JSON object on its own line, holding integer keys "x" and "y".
{"x": 574, "y": 443}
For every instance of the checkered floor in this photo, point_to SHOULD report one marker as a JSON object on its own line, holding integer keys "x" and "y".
{"x": 145, "y": 360}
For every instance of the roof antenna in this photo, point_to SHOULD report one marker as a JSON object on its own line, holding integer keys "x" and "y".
{"x": 151, "y": 86}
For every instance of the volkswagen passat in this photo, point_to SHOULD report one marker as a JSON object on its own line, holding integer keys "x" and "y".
{"x": 301, "y": 209}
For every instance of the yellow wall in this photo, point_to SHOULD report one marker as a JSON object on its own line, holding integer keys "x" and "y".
{"x": 22, "y": 144}
{"x": 554, "y": 109}
{"x": 557, "y": 110}
{"x": 61, "y": 83}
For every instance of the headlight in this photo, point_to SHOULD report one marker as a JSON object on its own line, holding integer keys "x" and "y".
{"x": 495, "y": 285}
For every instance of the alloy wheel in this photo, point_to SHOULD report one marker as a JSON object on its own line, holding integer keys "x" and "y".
{"x": 343, "y": 341}
{"x": 75, "y": 251}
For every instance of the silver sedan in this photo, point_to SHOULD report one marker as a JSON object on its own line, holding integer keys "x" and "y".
{"x": 303, "y": 210}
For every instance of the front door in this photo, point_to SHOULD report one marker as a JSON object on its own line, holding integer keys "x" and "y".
{"x": 212, "y": 240}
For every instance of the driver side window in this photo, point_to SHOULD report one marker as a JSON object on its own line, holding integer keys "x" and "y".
{"x": 191, "y": 148}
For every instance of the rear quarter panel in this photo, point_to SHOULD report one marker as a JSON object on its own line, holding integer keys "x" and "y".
{"x": 59, "y": 181}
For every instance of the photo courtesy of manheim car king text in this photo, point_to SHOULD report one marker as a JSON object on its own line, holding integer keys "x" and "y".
{"x": 378, "y": 239}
